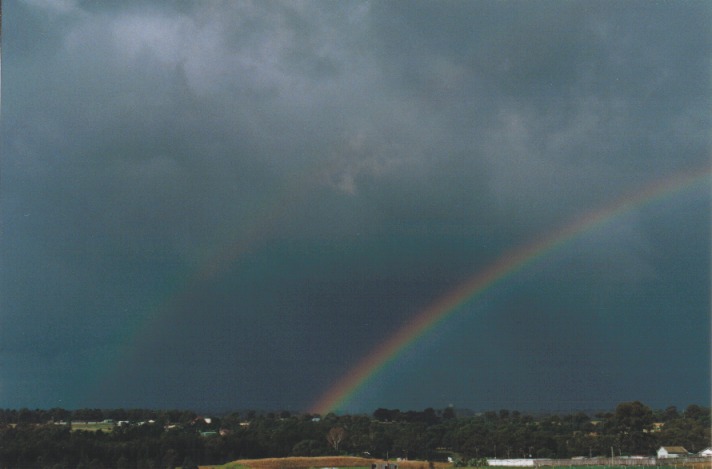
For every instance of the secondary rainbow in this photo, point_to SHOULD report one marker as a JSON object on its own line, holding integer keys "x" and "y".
{"x": 506, "y": 265}
{"x": 275, "y": 209}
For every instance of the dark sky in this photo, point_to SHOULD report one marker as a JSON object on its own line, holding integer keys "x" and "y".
{"x": 226, "y": 205}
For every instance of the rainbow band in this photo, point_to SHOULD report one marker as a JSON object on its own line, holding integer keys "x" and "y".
{"x": 508, "y": 264}
{"x": 274, "y": 210}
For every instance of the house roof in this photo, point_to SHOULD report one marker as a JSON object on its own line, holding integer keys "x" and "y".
{"x": 674, "y": 449}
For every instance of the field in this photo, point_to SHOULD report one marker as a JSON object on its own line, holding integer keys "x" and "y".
{"x": 681, "y": 466}
{"x": 92, "y": 426}
{"x": 362, "y": 463}
{"x": 321, "y": 462}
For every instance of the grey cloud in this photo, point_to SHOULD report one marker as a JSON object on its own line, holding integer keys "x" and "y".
{"x": 247, "y": 165}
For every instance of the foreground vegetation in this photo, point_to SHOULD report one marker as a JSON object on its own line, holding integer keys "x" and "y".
{"x": 143, "y": 439}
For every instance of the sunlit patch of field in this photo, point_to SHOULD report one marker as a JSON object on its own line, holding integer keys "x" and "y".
{"x": 322, "y": 462}
{"x": 92, "y": 426}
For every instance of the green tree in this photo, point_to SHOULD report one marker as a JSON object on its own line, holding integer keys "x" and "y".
{"x": 631, "y": 425}
{"x": 685, "y": 432}
{"x": 123, "y": 463}
{"x": 448, "y": 413}
{"x": 670, "y": 413}
{"x": 307, "y": 448}
{"x": 698, "y": 413}
{"x": 168, "y": 461}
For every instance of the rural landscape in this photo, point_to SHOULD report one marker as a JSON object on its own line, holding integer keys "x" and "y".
{"x": 356, "y": 234}
{"x": 630, "y": 434}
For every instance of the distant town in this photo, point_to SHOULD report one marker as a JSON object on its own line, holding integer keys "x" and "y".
{"x": 630, "y": 434}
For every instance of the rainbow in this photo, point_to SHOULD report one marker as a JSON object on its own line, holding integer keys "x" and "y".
{"x": 275, "y": 209}
{"x": 505, "y": 266}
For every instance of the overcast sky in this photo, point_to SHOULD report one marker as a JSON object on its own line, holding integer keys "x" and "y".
{"x": 225, "y": 205}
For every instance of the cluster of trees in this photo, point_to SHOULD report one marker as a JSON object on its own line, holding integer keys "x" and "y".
{"x": 166, "y": 439}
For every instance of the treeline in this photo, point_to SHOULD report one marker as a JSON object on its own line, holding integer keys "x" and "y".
{"x": 60, "y": 439}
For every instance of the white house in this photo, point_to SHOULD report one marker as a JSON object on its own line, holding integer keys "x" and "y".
{"x": 707, "y": 452}
{"x": 510, "y": 462}
{"x": 671, "y": 452}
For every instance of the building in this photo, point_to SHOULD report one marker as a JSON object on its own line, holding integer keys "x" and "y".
{"x": 510, "y": 462}
{"x": 706, "y": 453}
{"x": 671, "y": 452}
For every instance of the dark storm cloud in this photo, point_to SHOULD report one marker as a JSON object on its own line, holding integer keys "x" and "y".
{"x": 557, "y": 95}
{"x": 343, "y": 165}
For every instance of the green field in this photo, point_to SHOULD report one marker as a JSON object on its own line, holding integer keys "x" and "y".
{"x": 357, "y": 463}
{"x": 680, "y": 466}
{"x": 92, "y": 426}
